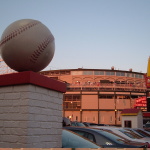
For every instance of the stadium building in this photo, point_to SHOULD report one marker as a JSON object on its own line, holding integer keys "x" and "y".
{"x": 99, "y": 95}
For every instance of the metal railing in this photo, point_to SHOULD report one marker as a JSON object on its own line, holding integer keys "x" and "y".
{"x": 107, "y": 87}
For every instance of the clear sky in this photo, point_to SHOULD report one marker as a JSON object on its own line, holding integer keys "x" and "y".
{"x": 93, "y": 34}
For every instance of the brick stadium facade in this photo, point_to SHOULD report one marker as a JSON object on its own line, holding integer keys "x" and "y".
{"x": 99, "y": 95}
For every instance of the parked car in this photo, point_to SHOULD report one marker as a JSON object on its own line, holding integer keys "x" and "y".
{"x": 72, "y": 140}
{"x": 147, "y": 125}
{"x": 134, "y": 133}
{"x": 142, "y": 132}
{"x": 76, "y": 123}
{"x": 66, "y": 122}
{"x": 88, "y": 124}
{"x": 105, "y": 139}
{"x": 126, "y": 134}
{"x": 147, "y": 129}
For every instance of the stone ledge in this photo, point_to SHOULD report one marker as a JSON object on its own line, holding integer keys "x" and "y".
{"x": 29, "y": 77}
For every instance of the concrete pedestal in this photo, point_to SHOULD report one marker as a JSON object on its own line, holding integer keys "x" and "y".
{"x": 30, "y": 111}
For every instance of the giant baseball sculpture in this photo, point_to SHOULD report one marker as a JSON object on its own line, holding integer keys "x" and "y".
{"x": 27, "y": 45}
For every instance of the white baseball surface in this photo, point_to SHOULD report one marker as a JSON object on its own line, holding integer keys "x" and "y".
{"x": 27, "y": 45}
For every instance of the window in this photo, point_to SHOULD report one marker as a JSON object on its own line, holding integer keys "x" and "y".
{"x": 127, "y": 123}
{"x": 76, "y": 72}
{"x": 72, "y": 101}
{"x": 91, "y": 137}
{"x": 120, "y": 74}
{"x": 77, "y": 118}
{"x": 87, "y": 72}
{"x": 111, "y": 118}
{"x": 102, "y": 96}
{"x": 86, "y": 135}
{"x": 123, "y": 97}
{"x": 139, "y": 76}
{"x": 130, "y": 75}
{"x": 56, "y": 72}
{"x": 85, "y": 119}
{"x": 110, "y": 73}
{"x": 98, "y": 72}
{"x": 134, "y": 96}
{"x": 104, "y": 81}
{"x": 94, "y": 118}
{"x": 72, "y": 140}
{"x": 65, "y": 72}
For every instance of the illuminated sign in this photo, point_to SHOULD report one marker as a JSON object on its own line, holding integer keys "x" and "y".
{"x": 141, "y": 102}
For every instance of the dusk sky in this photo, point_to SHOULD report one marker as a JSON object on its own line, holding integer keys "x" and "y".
{"x": 93, "y": 34}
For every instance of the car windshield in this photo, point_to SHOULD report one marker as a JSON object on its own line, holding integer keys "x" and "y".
{"x": 71, "y": 140}
{"x": 114, "y": 137}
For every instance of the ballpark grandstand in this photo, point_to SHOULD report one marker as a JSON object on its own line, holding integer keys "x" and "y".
{"x": 99, "y": 95}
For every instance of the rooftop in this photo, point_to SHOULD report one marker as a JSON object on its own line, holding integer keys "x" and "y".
{"x": 132, "y": 111}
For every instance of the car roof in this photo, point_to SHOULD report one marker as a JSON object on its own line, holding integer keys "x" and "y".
{"x": 84, "y": 128}
{"x": 97, "y": 132}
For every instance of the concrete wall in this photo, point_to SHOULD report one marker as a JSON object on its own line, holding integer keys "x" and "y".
{"x": 89, "y": 102}
{"x": 30, "y": 116}
{"x": 91, "y": 116}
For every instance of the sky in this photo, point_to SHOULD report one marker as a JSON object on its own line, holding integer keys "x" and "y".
{"x": 92, "y": 34}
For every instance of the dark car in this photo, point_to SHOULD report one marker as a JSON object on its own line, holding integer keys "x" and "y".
{"x": 106, "y": 139}
{"x": 76, "y": 123}
{"x": 73, "y": 140}
{"x": 66, "y": 122}
{"x": 147, "y": 125}
{"x": 88, "y": 124}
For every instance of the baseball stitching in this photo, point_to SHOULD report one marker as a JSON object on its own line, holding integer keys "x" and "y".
{"x": 17, "y": 32}
{"x": 40, "y": 49}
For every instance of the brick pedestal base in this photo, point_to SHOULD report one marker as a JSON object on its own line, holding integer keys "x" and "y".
{"x": 30, "y": 111}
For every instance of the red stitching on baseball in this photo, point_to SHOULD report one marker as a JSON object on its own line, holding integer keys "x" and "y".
{"x": 17, "y": 31}
{"x": 40, "y": 49}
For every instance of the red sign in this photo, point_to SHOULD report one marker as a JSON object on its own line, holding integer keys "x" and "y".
{"x": 141, "y": 102}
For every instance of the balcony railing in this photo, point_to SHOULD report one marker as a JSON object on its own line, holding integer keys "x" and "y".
{"x": 107, "y": 87}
